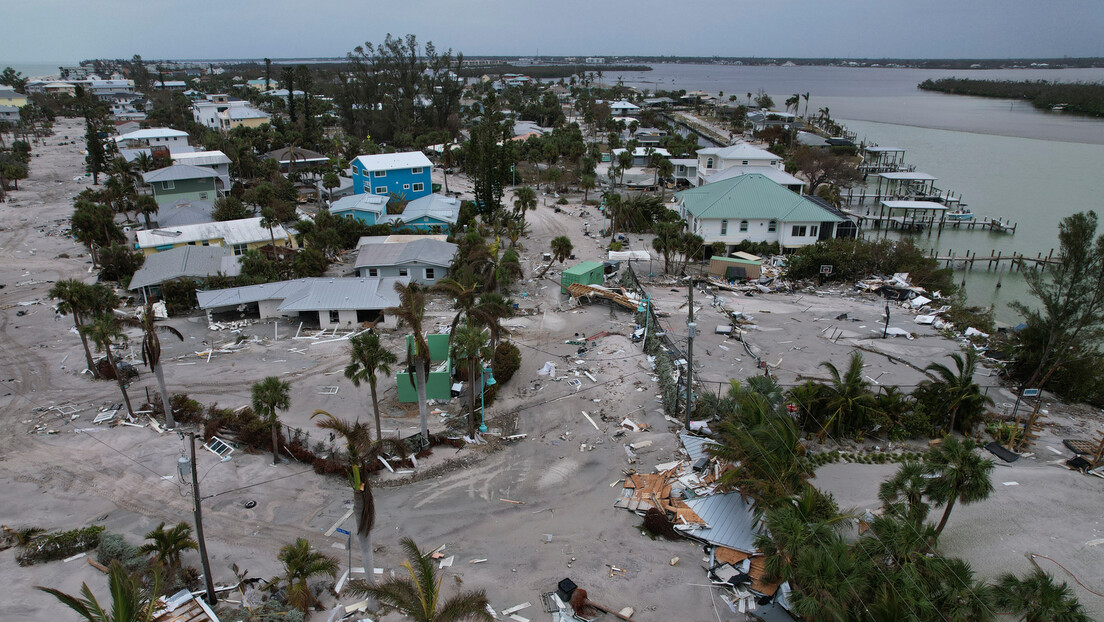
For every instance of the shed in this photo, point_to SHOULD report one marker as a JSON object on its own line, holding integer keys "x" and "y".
{"x": 587, "y": 273}
{"x": 438, "y": 383}
{"x": 729, "y": 268}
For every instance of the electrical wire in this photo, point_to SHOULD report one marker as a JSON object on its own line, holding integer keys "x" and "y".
{"x": 267, "y": 481}
{"x": 1032, "y": 556}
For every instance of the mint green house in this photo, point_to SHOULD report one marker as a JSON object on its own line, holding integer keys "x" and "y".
{"x": 439, "y": 382}
{"x": 182, "y": 181}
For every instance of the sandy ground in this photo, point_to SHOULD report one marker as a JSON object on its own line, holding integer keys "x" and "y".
{"x": 565, "y": 471}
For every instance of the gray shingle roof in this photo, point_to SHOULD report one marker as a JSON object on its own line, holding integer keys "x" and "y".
{"x": 185, "y": 212}
{"x": 432, "y": 252}
{"x": 187, "y": 261}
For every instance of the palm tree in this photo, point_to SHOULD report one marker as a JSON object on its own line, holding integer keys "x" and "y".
{"x": 525, "y": 199}
{"x": 561, "y": 250}
{"x": 130, "y": 602}
{"x": 146, "y": 206}
{"x": 588, "y": 182}
{"x": 903, "y": 494}
{"x": 1038, "y": 598}
{"x": 81, "y": 300}
{"x": 462, "y": 290}
{"x": 168, "y": 545}
{"x": 143, "y": 162}
{"x": 104, "y": 330}
{"x": 368, "y": 358}
{"x": 957, "y": 596}
{"x": 363, "y": 451}
{"x": 489, "y": 312}
{"x": 270, "y": 220}
{"x": 799, "y": 521}
{"x": 956, "y": 473}
{"x": 270, "y": 395}
{"x": 765, "y": 445}
{"x": 665, "y": 169}
{"x": 467, "y": 347}
{"x": 418, "y": 596}
{"x": 830, "y": 581}
{"x": 151, "y": 353}
{"x": 960, "y": 392}
{"x": 806, "y": 96}
{"x": 849, "y": 399}
{"x": 411, "y": 310}
{"x": 301, "y": 564}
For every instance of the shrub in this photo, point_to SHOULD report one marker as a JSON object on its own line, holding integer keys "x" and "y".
{"x": 119, "y": 263}
{"x": 853, "y": 259}
{"x": 114, "y": 547}
{"x": 507, "y": 360}
{"x": 180, "y": 295}
{"x": 60, "y": 545}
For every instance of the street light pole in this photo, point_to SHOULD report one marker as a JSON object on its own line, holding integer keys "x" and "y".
{"x": 483, "y": 398}
{"x": 691, "y": 327}
{"x": 211, "y": 598}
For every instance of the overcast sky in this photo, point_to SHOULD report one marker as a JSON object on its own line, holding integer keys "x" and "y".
{"x": 70, "y": 30}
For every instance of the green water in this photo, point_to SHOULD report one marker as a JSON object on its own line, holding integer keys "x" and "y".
{"x": 1034, "y": 183}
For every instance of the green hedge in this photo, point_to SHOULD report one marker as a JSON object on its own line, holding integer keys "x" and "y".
{"x": 54, "y": 546}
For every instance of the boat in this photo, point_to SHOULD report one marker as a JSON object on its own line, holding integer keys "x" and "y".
{"x": 960, "y": 214}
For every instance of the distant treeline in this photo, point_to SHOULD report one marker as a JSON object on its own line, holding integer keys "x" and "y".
{"x": 546, "y": 72}
{"x": 1085, "y": 98}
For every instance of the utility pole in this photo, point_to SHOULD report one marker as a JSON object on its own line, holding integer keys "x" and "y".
{"x": 211, "y": 599}
{"x": 691, "y": 327}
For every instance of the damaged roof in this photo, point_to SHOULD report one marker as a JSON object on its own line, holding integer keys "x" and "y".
{"x": 730, "y": 520}
{"x": 695, "y": 446}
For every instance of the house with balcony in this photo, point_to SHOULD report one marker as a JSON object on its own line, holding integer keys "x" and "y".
{"x": 239, "y": 235}
{"x": 752, "y": 208}
{"x": 405, "y": 176}
{"x": 222, "y": 112}
{"x": 715, "y": 159}
{"x": 182, "y": 181}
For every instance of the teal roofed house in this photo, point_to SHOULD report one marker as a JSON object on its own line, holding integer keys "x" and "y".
{"x": 587, "y": 273}
{"x": 182, "y": 181}
{"x": 753, "y": 208}
{"x": 439, "y": 382}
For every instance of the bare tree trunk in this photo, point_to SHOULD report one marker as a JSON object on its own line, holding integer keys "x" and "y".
{"x": 275, "y": 442}
{"x": 420, "y": 386}
{"x": 364, "y": 543}
{"x": 946, "y": 515}
{"x": 159, "y": 372}
{"x": 119, "y": 379}
{"x": 87, "y": 351}
{"x": 471, "y": 397}
{"x": 375, "y": 408}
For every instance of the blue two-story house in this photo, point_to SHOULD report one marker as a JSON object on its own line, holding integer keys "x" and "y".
{"x": 404, "y": 176}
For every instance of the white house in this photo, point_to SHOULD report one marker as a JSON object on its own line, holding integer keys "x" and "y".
{"x": 624, "y": 109}
{"x": 716, "y": 159}
{"x": 336, "y": 302}
{"x": 175, "y": 141}
{"x": 753, "y": 208}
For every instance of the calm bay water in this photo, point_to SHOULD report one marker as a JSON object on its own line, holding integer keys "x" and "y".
{"x": 1005, "y": 159}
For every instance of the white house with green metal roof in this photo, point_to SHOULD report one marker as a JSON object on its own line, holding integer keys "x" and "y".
{"x": 753, "y": 208}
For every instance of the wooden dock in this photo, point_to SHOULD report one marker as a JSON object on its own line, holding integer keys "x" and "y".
{"x": 930, "y": 224}
{"x": 1015, "y": 261}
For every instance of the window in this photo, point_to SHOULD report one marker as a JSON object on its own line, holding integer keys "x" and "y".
{"x": 419, "y": 187}
{"x": 206, "y": 242}
{"x": 203, "y": 196}
{"x": 381, "y": 189}
{"x": 406, "y": 186}
{"x": 192, "y": 243}
{"x": 798, "y": 231}
{"x": 772, "y": 226}
{"x": 367, "y": 187}
{"x": 724, "y": 227}
{"x": 429, "y": 274}
{"x": 335, "y": 317}
{"x": 745, "y": 162}
{"x": 813, "y": 230}
{"x": 168, "y": 185}
{"x": 743, "y": 226}
{"x": 416, "y": 171}
{"x": 404, "y": 272}
{"x": 380, "y": 174}
{"x": 774, "y": 162}
{"x": 239, "y": 249}
{"x": 373, "y": 271}
{"x": 709, "y": 163}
